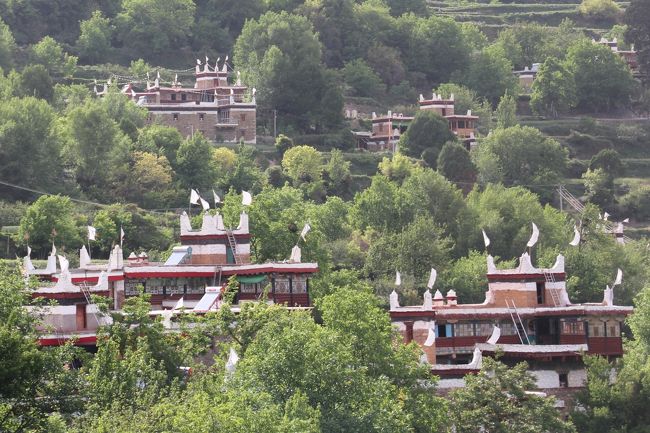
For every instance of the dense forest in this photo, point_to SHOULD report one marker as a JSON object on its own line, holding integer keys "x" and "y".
{"x": 69, "y": 159}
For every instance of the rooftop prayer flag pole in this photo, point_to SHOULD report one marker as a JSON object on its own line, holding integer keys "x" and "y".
{"x": 304, "y": 231}
{"x": 576, "y": 237}
{"x": 432, "y": 278}
{"x": 92, "y": 234}
{"x": 619, "y": 277}
{"x": 194, "y": 197}
{"x": 533, "y": 238}
{"x": 204, "y": 204}
{"x": 486, "y": 240}
{"x": 246, "y": 198}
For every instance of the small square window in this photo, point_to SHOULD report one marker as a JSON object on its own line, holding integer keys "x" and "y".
{"x": 175, "y": 116}
{"x": 183, "y": 97}
{"x": 564, "y": 380}
{"x": 201, "y": 116}
{"x": 173, "y": 96}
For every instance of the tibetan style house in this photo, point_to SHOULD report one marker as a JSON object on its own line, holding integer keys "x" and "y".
{"x": 526, "y": 316}
{"x": 387, "y": 130}
{"x": 192, "y": 277}
{"x": 220, "y": 110}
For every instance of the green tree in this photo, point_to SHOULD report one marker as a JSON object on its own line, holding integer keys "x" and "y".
{"x": 399, "y": 8}
{"x": 466, "y": 276}
{"x": 142, "y": 231}
{"x": 336, "y": 25}
{"x": 455, "y": 163}
{"x": 337, "y": 174}
{"x": 433, "y": 46}
{"x": 599, "y": 186}
{"x": 94, "y": 42}
{"x": 48, "y": 220}
{"x": 636, "y": 17}
{"x": 605, "y": 80}
{"x": 35, "y": 383}
{"x": 396, "y": 168}
{"x": 498, "y": 400}
{"x": 362, "y": 80}
{"x": 97, "y": 149}
{"x": 150, "y": 180}
{"x": 506, "y": 112}
{"x": 420, "y": 246}
{"x": 428, "y": 132}
{"x": 554, "y": 89}
{"x": 159, "y": 139}
{"x": 489, "y": 74}
{"x": 427, "y": 192}
{"x": 303, "y": 164}
{"x": 36, "y": 81}
{"x": 194, "y": 163}
{"x": 7, "y": 46}
{"x": 377, "y": 207}
{"x": 279, "y": 215}
{"x": 69, "y": 97}
{"x": 280, "y": 54}
{"x": 521, "y": 155}
{"x": 140, "y": 22}
{"x": 506, "y": 214}
{"x": 603, "y": 9}
{"x": 609, "y": 160}
{"x": 50, "y": 54}
{"x": 283, "y": 143}
{"x": 31, "y": 145}
{"x": 636, "y": 203}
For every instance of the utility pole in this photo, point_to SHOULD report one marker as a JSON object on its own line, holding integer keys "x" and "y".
{"x": 275, "y": 123}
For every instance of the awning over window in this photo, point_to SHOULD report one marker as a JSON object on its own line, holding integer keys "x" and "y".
{"x": 251, "y": 279}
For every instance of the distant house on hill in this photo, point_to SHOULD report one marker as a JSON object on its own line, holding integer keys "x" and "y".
{"x": 218, "y": 109}
{"x": 526, "y": 77}
{"x": 387, "y": 130}
{"x": 630, "y": 56}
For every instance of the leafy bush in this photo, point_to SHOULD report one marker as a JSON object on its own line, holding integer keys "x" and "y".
{"x": 600, "y": 9}
{"x": 636, "y": 203}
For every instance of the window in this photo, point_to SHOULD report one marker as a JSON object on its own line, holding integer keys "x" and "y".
{"x": 282, "y": 285}
{"x": 595, "y": 330}
{"x": 175, "y": 116}
{"x": 242, "y": 117}
{"x": 173, "y": 96}
{"x": 464, "y": 330}
{"x": 444, "y": 330}
{"x": 540, "y": 293}
{"x": 299, "y": 284}
{"x": 484, "y": 329}
{"x": 461, "y": 124}
{"x": 507, "y": 328}
{"x": 183, "y": 97}
{"x": 573, "y": 327}
{"x": 564, "y": 380}
{"x": 201, "y": 116}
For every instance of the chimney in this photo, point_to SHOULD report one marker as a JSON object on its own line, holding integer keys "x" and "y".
{"x": 451, "y": 298}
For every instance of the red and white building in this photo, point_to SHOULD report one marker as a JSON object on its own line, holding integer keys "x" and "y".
{"x": 526, "y": 316}
{"x": 387, "y": 130}
{"x": 222, "y": 111}
{"x": 192, "y": 277}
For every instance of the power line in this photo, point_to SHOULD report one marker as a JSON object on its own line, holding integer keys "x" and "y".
{"x": 92, "y": 203}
